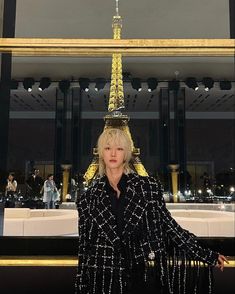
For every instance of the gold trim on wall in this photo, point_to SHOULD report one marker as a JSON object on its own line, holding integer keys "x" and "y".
{"x": 106, "y": 47}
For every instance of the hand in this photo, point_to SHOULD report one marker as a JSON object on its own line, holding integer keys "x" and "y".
{"x": 220, "y": 262}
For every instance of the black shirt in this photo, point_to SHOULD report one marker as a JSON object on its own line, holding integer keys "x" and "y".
{"x": 118, "y": 203}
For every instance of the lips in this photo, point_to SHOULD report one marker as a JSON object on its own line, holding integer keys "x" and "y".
{"x": 113, "y": 160}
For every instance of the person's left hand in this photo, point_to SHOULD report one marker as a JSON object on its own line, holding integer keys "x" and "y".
{"x": 220, "y": 262}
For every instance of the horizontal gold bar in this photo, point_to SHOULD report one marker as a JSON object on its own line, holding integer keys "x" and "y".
{"x": 38, "y": 261}
{"x": 56, "y": 261}
{"x": 127, "y": 47}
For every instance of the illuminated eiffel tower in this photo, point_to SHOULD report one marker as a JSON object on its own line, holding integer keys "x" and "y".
{"x": 115, "y": 118}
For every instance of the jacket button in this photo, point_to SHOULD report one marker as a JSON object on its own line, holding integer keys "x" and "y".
{"x": 151, "y": 255}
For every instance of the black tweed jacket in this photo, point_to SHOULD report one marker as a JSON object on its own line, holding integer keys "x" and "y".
{"x": 105, "y": 257}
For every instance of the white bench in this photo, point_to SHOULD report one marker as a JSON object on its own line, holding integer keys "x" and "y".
{"x": 40, "y": 222}
{"x": 206, "y": 223}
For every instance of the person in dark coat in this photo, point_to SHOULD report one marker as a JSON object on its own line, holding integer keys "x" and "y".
{"x": 128, "y": 241}
{"x": 34, "y": 184}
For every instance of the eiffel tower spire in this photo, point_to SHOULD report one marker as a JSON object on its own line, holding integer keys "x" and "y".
{"x": 115, "y": 118}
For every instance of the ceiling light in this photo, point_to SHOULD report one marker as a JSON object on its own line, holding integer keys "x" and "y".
{"x": 99, "y": 84}
{"x": 192, "y": 83}
{"x": 84, "y": 84}
{"x": 225, "y": 85}
{"x": 44, "y": 83}
{"x": 152, "y": 84}
{"x": 208, "y": 83}
{"x": 64, "y": 85}
{"x": 136, "y": 84}
{"x": 174, "y": 85}
{"x": 28, "y": 84}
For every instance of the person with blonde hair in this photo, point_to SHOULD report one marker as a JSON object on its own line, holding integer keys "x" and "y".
{"x": 126, "y": 233}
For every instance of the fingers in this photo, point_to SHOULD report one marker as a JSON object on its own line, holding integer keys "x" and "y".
{"x": 221, "y": 260}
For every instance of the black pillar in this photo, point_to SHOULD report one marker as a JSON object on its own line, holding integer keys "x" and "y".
{"x": 60, "y": 132}
{"x": 76, "y": 130}
{"x": 232, "y": 18}
{"x": 8, "y": 31}
{"x": 180, "y": 138}
{"x": 6, "y": 62}
{"x": 164, "y": 135}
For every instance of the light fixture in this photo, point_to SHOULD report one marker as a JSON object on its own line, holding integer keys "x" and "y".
{"x": 173, "y": 85}
{"x": 192, "y": 83}
{"x": 208, "y": 83}
{"x": 225, "y": 85}
{"x": 44, "y": 83}
{"x": 136, "y": 84}
{"x": 28, "y": 84}
{"x": 152, "y": 84}
{"x": 84, "y": 84}
{"x": 64, "y": 85}
{"x": 99, "y": 84}
{"x": 231, "y": 189}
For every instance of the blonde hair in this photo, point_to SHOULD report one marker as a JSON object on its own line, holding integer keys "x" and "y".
{"x": 119, "y": 137}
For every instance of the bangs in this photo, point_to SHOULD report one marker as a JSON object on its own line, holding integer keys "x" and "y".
{"x": 114, "y": 137}
{"x": 116, "y": 140}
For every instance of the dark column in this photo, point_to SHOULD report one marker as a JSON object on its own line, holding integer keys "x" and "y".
{"x": 232, "y": 18}
{"x": 180, "y": 140}
{"x": 76, "y": 130}
{"x": 8, "y": 31}
{"x": 60, "y": 132}
{"x": 164, "y": 134}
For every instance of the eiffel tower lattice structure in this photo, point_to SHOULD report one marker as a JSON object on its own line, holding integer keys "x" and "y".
{"x": 115, "y": 118}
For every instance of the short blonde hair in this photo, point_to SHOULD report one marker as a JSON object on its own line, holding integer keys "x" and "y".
{"x": 116, "y": 136}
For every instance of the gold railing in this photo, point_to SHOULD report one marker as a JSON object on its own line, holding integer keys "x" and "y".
{"x": 127, "y": 47}
{"x": 60, "y": 261}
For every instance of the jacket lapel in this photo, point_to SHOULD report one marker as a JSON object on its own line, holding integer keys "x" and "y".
{"x": 136, "y": 203}
{"x": 134, "y": 209}
{"x": 102, "y": 213}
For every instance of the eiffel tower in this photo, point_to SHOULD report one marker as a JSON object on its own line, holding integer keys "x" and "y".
{"x": 115, "y": 118}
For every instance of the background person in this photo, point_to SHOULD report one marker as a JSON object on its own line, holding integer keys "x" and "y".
{"x": 34, "y": 184}
{"x": 50, "y": 194}
{"x": 10, "y": 190}
{"x": 11, "y": 185}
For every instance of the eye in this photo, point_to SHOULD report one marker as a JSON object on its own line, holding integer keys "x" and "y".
{"x": 120, "y": 149}
{"x": 107, "y": 148}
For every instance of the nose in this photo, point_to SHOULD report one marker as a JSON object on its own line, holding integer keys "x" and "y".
{"x": 113, "y": 152}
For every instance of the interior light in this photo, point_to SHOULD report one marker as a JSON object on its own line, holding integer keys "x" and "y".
{"x": 192, "y": 83}
{"x": 28, "y": 84}
{"x": 225, "y": 85}
{"x": 136, "y": 84}
{"x": 84, "y": 84}
{"x": 208, "y": 83}
{"x": 152, "y": 84}
{"x": 44, "y": 83}
{"x": 99, "y": 84}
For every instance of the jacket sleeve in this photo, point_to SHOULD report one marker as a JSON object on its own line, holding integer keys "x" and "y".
{"x": 182, "y": 239}
{"x": 83, "y": 242}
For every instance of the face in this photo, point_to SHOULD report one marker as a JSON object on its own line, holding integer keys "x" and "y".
{"x": 10, "y": 177}
{"x": 113, "y": 156}
{"x": 51, "y": 178}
